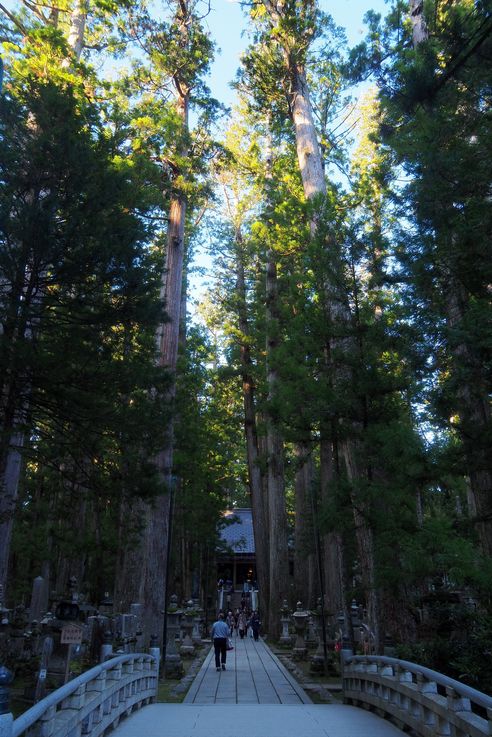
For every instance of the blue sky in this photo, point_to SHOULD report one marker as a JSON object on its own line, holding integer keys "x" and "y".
{"x": 227, "y": 23}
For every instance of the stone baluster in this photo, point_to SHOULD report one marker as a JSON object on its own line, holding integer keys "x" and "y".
{"x": 155, "y": 651}
{"x": 427, "y": 716}
{"x": 76, "y": 700}
{"x": 300, "y": 617}
{"x": 456, "y": 702}
{"x": 404, "y": 676}
{"x": 97, "y": 685}
{"x": 387, "y": 675}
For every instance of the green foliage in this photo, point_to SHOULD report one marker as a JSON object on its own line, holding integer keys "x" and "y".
{"x": 80, "y": 282}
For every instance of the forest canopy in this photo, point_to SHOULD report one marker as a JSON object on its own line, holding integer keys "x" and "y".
{"x": 334, "y": 372}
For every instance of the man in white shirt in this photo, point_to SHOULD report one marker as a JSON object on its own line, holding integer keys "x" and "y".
{"x": 220, "y": 633}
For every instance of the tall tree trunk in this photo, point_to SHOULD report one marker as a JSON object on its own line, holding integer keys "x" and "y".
{"x": 473, "y": 395}
{"x": 277, "y": 516}
{"x": 334, "y": 575}
{"x": 76, "y": 32}
{"x": 168, "y": 340}
{"x": 312, "y": 173}
{"x": 151, "y": 557}
{"x": 417, "y": 19}
{"x": 306, "y": 588}
{"x": 474, "y": 409}
{"x": 19, "y": 326}
{"x": 274, "y": 445}
{"x": 255, "y": 475}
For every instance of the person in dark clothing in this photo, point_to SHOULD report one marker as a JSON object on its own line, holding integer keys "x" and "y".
{"x": 220, "y": 633}
{"x": 255, "y": 624}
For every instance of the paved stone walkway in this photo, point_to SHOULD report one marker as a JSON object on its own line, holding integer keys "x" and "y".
{"x": 254, "y": 697}
{"x": 253, "y": 675}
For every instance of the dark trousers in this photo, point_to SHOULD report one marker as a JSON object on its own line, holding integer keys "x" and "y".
{"x": 220, "y": 647}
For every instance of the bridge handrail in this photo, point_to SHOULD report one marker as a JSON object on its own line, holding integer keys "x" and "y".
{"x": 416, "y": 696}
{"x": 147, "y": 674}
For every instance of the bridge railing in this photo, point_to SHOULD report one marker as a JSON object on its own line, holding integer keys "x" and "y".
{"x": 416, "y": 698}
{"x": 92, "y": 702}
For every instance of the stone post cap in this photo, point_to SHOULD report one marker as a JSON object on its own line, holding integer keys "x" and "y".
{"x": 6, "y": 676}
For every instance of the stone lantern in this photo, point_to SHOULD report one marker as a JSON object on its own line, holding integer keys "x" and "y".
{"x": 187, "y": 647}
{"x": 285, "y": 638}
{"x": 317, "y": 661}
{"x": 300, "y": 617}
{"x": 173, "y": 667}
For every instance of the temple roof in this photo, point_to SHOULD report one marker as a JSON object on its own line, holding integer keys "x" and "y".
{"x": 238, "y": 534}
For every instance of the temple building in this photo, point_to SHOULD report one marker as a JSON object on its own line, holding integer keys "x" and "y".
{"x": 236, "y": 560}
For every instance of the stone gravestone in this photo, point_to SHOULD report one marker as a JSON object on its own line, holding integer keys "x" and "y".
{"x": 46, "y": 651}
{"x": 97, "y": 626}
{"x": 39, "y": 600}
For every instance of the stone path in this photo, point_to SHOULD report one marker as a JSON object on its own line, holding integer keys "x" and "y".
{"x": 253, "y": 676}
{"x": 254, "y": 697}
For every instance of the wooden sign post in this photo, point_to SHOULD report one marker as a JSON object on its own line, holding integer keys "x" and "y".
{"x": 71, "y": 635}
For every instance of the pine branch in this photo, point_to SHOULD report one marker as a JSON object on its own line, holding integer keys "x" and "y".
{"x": 14, "y": 20}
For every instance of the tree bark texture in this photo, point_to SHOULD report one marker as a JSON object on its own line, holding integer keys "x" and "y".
{"x": 277, "y": 516}
{"x": 473, "y": 394}
{"x": 332, "y": 544}
{"x": 76, "y": 33}
{"x": 306, "y": 588}
{"x": 153, "y": 551}
{"x": 312, "y": 173}
{"x": 257, "y": 482}
{"x": 475, "y": 415}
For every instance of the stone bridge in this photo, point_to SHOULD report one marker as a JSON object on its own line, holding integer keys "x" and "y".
{"x": 256, "y": 697}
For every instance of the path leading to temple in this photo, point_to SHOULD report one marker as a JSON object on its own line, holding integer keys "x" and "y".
{"x": 254, "y": 697}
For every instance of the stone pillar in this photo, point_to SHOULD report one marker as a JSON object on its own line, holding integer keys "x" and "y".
{"x": 155, "y": 650}
{"x": 285, "y": 638}
{"x": 39, "y": 600}
{"x": 300, "y": 618}
{"x": 173, "y": 667}
{"x": 107, "y": 647}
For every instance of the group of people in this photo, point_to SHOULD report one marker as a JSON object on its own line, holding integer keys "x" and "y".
{"x": 239, "y": 621}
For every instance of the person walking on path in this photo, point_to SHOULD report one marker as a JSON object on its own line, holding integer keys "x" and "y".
{"x": 220, "y": 633}
{"x": 230, "y": 622}
{"x": 242, "y": 624}
{"x": 255, "y": 623}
